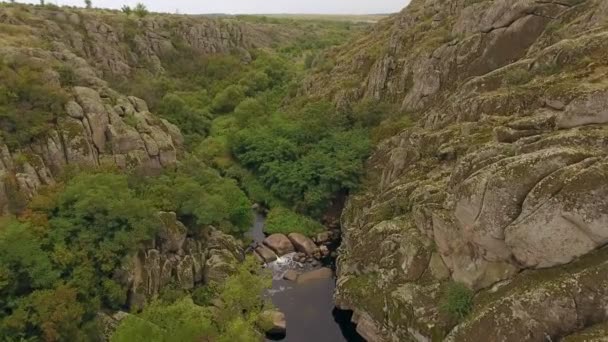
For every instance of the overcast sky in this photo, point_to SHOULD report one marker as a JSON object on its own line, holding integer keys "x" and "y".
{"x": 252, "y": 6}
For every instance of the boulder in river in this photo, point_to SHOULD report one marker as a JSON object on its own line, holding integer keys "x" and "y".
{"x": 280, "y": 244}
{"x": 303, "y": 244}
{"x": 323, "y": 237}
{"x": 276, "y": 322}
{"x": 265, "y": 253}
{"x": 291, "y": 275}
{"x": 319, "y": 274}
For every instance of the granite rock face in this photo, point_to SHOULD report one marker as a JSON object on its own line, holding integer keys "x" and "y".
{"x": 101, "y": 126}
{"x": 181, "y": 261}
{"x": 500, "y": 178}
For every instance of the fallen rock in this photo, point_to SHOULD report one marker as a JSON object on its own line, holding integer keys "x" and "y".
{"x": 324, "y": 237}
{"x": 303, "y": 243}
{"x": 280, "y": 244}
{"x": 291, "y": 275}
{"x": 276, "y": 321}
{"x": 320, "y": 274}
{"x": 266, "y": 254}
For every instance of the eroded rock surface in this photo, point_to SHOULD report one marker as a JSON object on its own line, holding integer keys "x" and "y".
{"x": 502, "y": 174}
{"x": 180, "y": 261}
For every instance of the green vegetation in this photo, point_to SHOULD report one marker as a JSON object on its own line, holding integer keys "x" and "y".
{"x": 126, "y": 10}
{"x": 285, "y": 221}
{"x": 57, "y": 262}
{"x": 140, "y": 10}
{"x": 234, "y": 117}
{"x": 457, "y": 300}
{"x": 517, "y": 77}
{"x": 248, "y": 137}
{"x": 28, "y": 102}
{"x": 238, "y": 318}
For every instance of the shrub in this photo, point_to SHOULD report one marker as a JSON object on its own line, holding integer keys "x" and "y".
{"x": 457, "y": 300}
{"x": 28, "y": 103}
{"x": 249, "y": 111}
{"x": 126, "y": 10}
{"x": 517, "y": 77}
{"x": 193, "y": 123}
{"x": 140, "y": 10}
{"x": 226, "y": 100}
{"x": 284, "y": 221}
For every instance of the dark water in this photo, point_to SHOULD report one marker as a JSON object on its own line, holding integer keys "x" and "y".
{"x": 309, "y": 308}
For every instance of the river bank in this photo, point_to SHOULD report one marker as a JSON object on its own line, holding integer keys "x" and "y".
{"x": 309, "y": 308}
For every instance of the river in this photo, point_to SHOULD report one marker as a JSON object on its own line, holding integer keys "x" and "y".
{"x": 309, "y": 308}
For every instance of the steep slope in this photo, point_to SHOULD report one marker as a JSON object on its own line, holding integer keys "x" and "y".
{"x": 500, "y": 182}
{"x": 58, "y": 109}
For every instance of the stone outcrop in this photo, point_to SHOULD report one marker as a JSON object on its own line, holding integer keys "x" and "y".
{"x": 303, "y": 244}
{"x": 501, "y": 177}
{"x": 178, "y": 260}
{"x": 277, "y": 322}
{"x": 100, "y": 128}
{"x": 117, "y": 45}
{"x": 280, "y": 244}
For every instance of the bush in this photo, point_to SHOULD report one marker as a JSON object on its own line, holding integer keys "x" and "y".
{"x": 140, "y": 10}
{"x": 457, "y": 300}
{"x": 249, "y": 111}
{"x": 29, "y": 104}
{"x": 226, "y": 100}
{"x": 193, "y": 123}
{"x": 200, "y": 195}
{"x": 517, "y": 77}
{"x": 183, "y": 320}
{"x": 284, "y": 221}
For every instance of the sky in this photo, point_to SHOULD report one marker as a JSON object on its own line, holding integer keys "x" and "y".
{"x": 252, "y": 6}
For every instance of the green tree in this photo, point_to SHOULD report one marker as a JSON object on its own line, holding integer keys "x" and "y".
{"x": 194, "y": 123}
{"x": 140, "y": 10}
{"x": 126, "y": 10}
{"x": 284, "y": 221}
{"x": 226, "y": 100}
{"x": 88, "y": 4}
{"x": 55, "y": 315}
{"x": 255, "y": 81}
{"x": 237, "y": 319}
{"x": 198, "y": 193}
{"x": 24, "y": 265}
{"x": 159, "y": 322}
{"x": 249, "y": 111}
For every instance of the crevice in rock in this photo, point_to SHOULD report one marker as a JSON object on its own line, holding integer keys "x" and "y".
{"x": 555, "y": 193}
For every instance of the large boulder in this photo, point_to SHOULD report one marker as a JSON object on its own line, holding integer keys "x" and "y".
{"x": 224, "y": 253}
{"x": 277, "y": 325}
{"x": 265, "y": 253}
{"x": 316, "y": 275}
{"x": 280, "y": 244}
{"x": 302, "y": 243}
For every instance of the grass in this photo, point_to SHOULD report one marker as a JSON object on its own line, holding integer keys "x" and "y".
{"x": 284, "y": 221}
{"x": 457, "y": 300}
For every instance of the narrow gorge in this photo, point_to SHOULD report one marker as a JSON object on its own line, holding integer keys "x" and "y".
{"x": 438, "y": 174}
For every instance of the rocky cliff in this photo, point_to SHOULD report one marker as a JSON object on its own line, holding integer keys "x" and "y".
{"x": 115, "y": 44}
{"x": 501, "y": 182}
{"x": 175, "y": 259}
{"x": 75, "y": 52}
